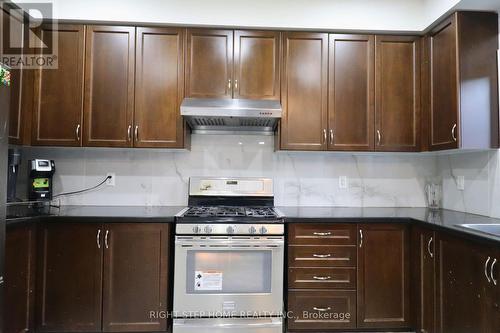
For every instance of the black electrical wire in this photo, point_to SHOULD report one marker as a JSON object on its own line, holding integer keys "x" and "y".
{"x": 82, "y": 191}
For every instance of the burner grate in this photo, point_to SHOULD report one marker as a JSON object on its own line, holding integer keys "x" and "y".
{"x": 226, "y": 211}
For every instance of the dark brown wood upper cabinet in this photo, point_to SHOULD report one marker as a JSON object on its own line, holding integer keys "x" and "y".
{"x": 159, "y": 88}
{"x": 383, "y": 276}
{"x": 109, "y": 86}
{"x": 257, "y": 57}
{"x": 351, "y": 92}
{"x": 21, "y": 84}
{"x": 464, "y": 83}
{"x": 397, "y": 94}
{"x": 69, "y": 278}
{"x": 20, "y": 265}
{"x": 209, "y": 63}
{"x": 304, "y": 91}
{"x": 58, "y": 93}
{"x": 135, "y": 276}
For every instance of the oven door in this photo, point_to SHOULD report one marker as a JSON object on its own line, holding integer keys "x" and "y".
{"x": 236, "y": 276}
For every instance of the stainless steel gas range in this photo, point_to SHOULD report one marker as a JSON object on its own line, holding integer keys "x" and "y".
{"x": 229, "y": 252}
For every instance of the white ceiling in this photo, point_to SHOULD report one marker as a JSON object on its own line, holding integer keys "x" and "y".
{"x": 382, "y": 15}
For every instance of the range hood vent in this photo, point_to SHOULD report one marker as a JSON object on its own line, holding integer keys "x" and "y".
{"x": 231, "y": 116}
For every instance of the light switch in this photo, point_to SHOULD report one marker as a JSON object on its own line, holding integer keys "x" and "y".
{"x": 343, "y": 182}
{"x": 460, "y": 183}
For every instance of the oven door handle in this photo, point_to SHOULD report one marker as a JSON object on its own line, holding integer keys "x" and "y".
{"x": 230, "y": 247}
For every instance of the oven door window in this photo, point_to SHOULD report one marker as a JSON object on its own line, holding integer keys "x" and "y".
{"x": 229, "y": 271}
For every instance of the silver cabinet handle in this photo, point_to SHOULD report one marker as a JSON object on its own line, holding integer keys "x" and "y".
{"x": 106, "y": 239}
{"x": 379, "y": 137}
{"x": 321, "y": 255}
{"x": 229, "y": 84}
{"x": 236, "y": 84}
{"x": 322, "y": 278}
{"x": 429, "y": 248}
{"x": 492, "y": 271}
{"x": 136, "y": 133}
{"x": 486, "y": 269}
{"x": 322, "y": 233}
{"x": 360, "y": 238}
{"x": 1, "y": 280}
{"x": 322, "y": 309}
{"x": 129, "y": 132}
{"x": 78, "y": 132}
{"x": 331, "y": 136}
{"x": 99, "y": 238}
{"x": 453, "y": 132}
{"x": 324, "y": 136}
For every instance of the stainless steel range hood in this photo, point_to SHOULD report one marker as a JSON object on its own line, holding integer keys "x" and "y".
{"x": 231, "y": 116}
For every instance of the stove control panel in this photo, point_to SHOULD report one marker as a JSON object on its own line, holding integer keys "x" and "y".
{"x": 229, "y": 229}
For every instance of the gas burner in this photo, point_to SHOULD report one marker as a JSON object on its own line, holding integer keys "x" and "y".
{"x": 228, "y": 211}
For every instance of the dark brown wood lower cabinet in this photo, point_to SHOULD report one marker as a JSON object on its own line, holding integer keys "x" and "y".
{"x": 135, "y": 277}
{"x": 464, "y": 295}
{"x": 423, "y": 279}
{"x": 383, "y": 276}
{"x": 322, "y": 310}
{"x": 20, "y": 279}
{"x": 69, "y": 278}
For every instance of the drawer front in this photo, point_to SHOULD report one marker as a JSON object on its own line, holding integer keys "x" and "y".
{"x": 322, "y": 234}
{"x": 321, "y": 256}
{"x": 321, "y": 310}
{"x": 322, "y": 278}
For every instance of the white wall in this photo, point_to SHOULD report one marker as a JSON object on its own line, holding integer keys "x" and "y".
{"x": 301, "y": 14}
{"x": 159, "y": 177}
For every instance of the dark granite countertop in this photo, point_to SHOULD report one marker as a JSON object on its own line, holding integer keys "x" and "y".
{"x": 438, "y": 219}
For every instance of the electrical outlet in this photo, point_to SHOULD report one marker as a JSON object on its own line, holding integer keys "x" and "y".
{"x": 111, "y": 181}
{"x": 343, "y": 182}
{"x": 460, "y": 183}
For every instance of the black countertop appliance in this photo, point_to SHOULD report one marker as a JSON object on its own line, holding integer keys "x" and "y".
{"x": 40, "y": 179}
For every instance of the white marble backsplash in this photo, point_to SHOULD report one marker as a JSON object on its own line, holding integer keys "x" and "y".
{"x": 160, "y": 177}
{"x": 481, "y": 173}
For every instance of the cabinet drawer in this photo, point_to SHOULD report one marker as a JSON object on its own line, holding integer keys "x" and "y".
{"x": 321, "y": 256}
{"x": 322, "y": 234}
{"x": 322, "y": 278}
{"x": 321, "y": 310}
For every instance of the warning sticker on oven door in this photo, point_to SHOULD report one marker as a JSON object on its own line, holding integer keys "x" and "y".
{"x": 208, "y": 280}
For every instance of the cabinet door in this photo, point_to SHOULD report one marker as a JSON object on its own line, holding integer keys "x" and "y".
{"x": 135, "y": 276}
{"x": 159, "y": 88}
{"x": 58, "y": 101}
{"x": 257, "y": 57}
{"x": 209, "y": 63}
{"x": 304, "y": 91}
{"x": 383, "y": 276}
{"x": 444, "y": 129}
{"x": 20, "y": 266}
{"x": 21, "y": 84}
{"x": 423, "y": 241}
{"x": 69, "y": 278}
{"x": 397, "y": 94}
{"x": 351, "y": 92}
{"x": 109, "y": 86}
{"x": 462, "y": 305}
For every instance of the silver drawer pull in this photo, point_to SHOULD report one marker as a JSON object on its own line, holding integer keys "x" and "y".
{"x": 322, "y": 233}
{"x": 322, "y": 255}
{"x": 486, "y": 269}
{"x": 322, "y": 309}
{"x": 322, "y": 278}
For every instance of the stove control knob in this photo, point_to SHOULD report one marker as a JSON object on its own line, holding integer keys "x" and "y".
{"x": 230, "y": 230}
{"x": 196, "y": 229}
{"x": 252, "y": 230}
{"x": 208, "y": 229}
{"x": 263, "y": 230}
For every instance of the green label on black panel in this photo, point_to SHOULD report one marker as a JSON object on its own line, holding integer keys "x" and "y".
{"x": 40, "y": 182}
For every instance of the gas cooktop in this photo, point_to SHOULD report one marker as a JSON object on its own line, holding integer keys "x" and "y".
{"x": 228, "y": 211}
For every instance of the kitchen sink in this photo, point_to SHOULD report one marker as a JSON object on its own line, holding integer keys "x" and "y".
{"x": 492, "y": 229}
